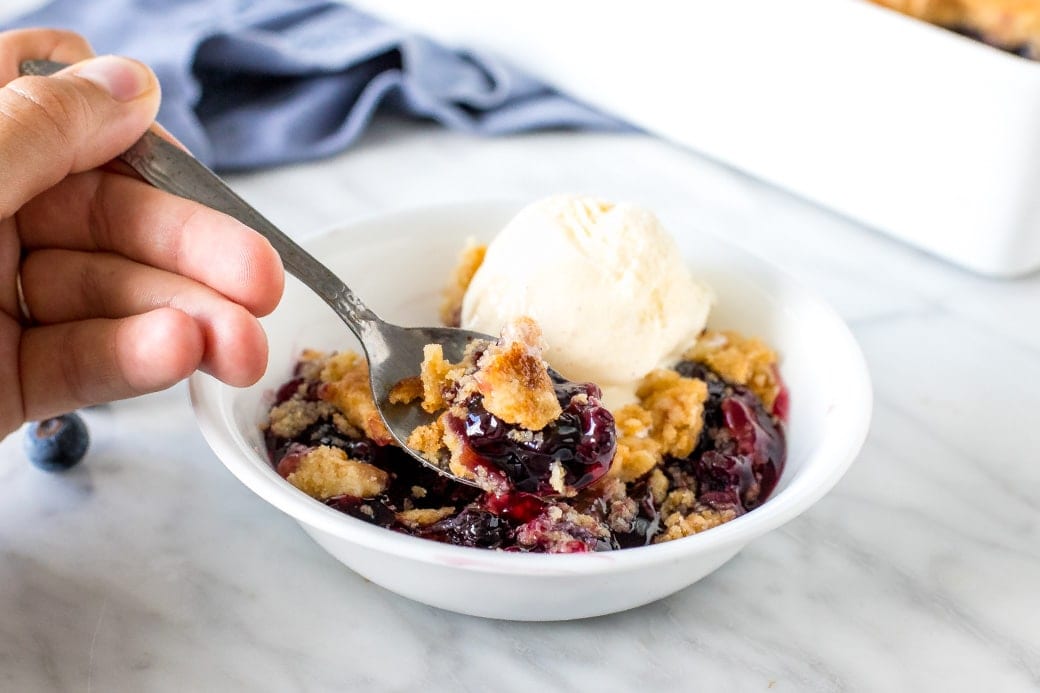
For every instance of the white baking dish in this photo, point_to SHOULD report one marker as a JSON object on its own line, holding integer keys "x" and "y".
{"x": 909, "y": 128}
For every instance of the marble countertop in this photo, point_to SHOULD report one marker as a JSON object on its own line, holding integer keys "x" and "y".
{"x": 150, "y": 567}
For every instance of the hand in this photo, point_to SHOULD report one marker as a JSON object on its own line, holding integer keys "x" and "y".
{"x": 129, "y": 289}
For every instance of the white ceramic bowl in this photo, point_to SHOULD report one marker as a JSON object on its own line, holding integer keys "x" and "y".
{"x": 398, "y": 263}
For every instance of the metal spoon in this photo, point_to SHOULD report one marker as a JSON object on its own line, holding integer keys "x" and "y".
{"x": 393, "y": 352}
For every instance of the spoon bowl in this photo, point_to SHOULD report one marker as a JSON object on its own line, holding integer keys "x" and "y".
{"x": 393, "y": 354}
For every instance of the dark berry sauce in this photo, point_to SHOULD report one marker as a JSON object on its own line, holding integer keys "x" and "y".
{"x": 742, "y": 449}
{"x": 582, "y": 440}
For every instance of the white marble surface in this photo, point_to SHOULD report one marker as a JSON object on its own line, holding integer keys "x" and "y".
{"x": 151, "y": 568}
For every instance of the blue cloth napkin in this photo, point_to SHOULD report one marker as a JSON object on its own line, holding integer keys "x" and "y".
{"x": 263, "y": 82}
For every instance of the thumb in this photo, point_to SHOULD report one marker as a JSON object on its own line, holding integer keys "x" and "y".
{"x": 80, "y": 118}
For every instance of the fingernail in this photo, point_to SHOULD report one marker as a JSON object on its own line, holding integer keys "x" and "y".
{"x": 123, "y": 79}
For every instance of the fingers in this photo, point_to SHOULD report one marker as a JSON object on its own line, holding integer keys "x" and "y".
{"x": 65, "y": 286}
{"x": 10, "y": 256}
{"x": 39, "y": 44}
{"x": 104, "y": 360}
{"x": 11, "y": 413}
{"x": 109, "y": 212}
{"x": 78, "y": 119}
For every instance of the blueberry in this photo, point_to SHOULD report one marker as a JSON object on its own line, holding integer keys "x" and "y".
{"x": 57, "y": 444}
{"x": 582, "y": 439}
{"x": 471, "y": 527}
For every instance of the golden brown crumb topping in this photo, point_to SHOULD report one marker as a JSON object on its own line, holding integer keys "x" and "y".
{"x": 428, "y": 440}
{"x": 423, "y": 517}
{"x": 678, "y": 525}
{"x": 346, "y": 386}
{"x": 438, "y": 376}
{"x": 514, "y": 381}
{"x": 311, "y": 363}
{"x": 469, "y": 262}
{"x": 741, "y": 360}
{"x": 667, "y": 420}
{"x": 291, "y": 417}
{"x": 658, "y": 485}
{"x": 637, "y": 451}
{"x": 676, "y": 405}
{"x": 326, "y": 472}
{"x": 510, "y": 375}
{"x": 408, "y": 390}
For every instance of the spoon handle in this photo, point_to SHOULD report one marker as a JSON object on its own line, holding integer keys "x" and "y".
{"x": 174, "y": 170}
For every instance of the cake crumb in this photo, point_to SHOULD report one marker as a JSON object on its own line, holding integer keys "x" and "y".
{"x": 677, "y": 525}
{"x": 637, "y": 452}
{"x": 470, "y": 260}
{"x": 406, "y": 391}
{"x": 346, "y": 386}
{"x": 310, "y": 363}
{"x": 437, "y": 376}
{"x": 514, "y": 379}
{"x": 739, "y": 360}
{"x": 428, "y": 440}
{"x": 676, "y": 406}
{"x": 667, "y": 421}
{"x": 292, "y": 417}
{"x": 326, "y": 472}
{"x": 423, "y": 517}
{"x": 658, "y": 485}
{"x": 557, "y": 478}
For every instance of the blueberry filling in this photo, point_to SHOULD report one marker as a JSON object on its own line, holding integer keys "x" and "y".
{"x": 734, "y": 468}
{"x": 582, "y": 440}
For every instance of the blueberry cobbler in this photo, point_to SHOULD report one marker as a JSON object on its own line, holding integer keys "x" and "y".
{"x": 557, "y": 471}
{"x": 1012, "y": 25}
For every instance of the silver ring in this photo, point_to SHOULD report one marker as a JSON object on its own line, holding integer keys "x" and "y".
{"x": 22, "y": 305}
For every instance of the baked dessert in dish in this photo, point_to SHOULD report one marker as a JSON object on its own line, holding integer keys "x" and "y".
{"x": 697, "y": 442}
{"x": 1012, "y": 25}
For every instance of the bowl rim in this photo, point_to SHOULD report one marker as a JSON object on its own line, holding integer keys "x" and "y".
{"x": 838, "y": 447}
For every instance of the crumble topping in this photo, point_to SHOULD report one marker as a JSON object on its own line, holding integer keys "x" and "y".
{"x": 667, "y": 420}
{"x": 470, "y": 260}
{"x": 514, "y": 380}
{"x": 408, "y": 390}
{"x": 618, "y": 509}
{"x": 658, "y": 484}
{"x": 290, "y": 418}
{"x": 678, "y": 525}
{"x": 739, "y": 360}
{"x": 428, "y": 440}
{"x": 346, "y": 386}
{"x": 325, "y": 472}
{"x": 438, "y": 376}
{"x": 558, "y": 478}
{"x": 424, "y": 517}
{"x": 562, "y": 529}
{"x": 676, "y": 406}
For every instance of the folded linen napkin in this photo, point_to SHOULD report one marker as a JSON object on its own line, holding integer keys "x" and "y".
{"x": 251, "y": 83}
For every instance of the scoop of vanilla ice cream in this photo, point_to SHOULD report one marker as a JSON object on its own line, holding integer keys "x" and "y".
{"x": 605, "y": 282}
